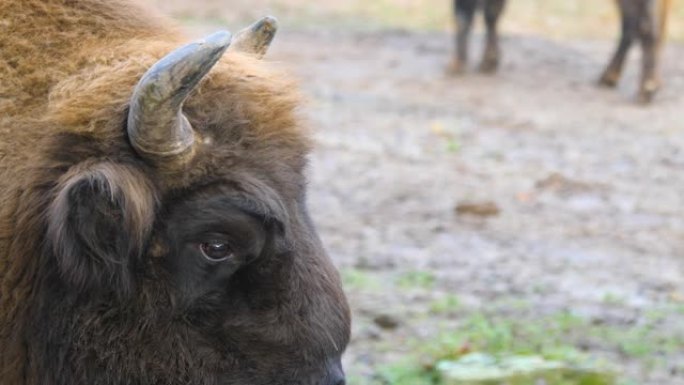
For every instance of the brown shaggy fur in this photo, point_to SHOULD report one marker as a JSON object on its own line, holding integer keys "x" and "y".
{"x": 67, "y": 70}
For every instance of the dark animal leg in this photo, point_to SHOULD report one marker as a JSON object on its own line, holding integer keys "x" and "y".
{"x": 630, "y": 25}
{"x": 649, "y": 83}
{"x": 490, "y": 58}
{"x": 465, "y": 11}
{"x": 652, "y": 33}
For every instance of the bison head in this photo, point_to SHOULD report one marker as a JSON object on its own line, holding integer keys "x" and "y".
{"x": 177, "y": 247}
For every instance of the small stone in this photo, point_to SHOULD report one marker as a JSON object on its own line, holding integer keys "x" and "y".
{"x": 561, "y": 184}
{"x": 386, "y": 321}
{"x": 479, "y": 209}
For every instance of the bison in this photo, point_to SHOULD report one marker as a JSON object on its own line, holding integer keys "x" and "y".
{"x": 153, "y": 221}
{"x": 642, "y": 20}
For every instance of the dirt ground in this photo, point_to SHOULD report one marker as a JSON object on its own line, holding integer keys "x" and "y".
{"x": 588, "y": 185}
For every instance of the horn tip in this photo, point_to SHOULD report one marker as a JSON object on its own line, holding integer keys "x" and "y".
{"x": 270, "y": 22}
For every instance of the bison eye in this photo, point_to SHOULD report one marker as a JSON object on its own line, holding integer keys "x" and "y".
{"x": 216, "y": 251}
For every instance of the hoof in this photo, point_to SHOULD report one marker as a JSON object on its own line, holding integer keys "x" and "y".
{"x": 644, "y": 98}
{"x": 456, "y": 67}
{"x": 608, "y": 79}
{"x": 647, "y": 91}
{"x": 489, "y": 65}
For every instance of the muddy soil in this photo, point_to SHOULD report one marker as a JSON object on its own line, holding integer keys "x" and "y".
{"x": 587, "y": 185}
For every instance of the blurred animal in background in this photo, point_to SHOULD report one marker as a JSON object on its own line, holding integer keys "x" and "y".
{"x": 641, "y": 20}
{"x": 644, "y": 21}
{"x": 153, "y": 221}
{"x": 465, "y": 13}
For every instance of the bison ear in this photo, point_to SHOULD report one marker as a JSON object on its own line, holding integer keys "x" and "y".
{"x": 98, "y": 225}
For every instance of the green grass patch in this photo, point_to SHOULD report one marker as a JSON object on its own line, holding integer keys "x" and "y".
{"x": 561, "y": 337}
{"x": 356, "y": 279}
{"x": 420, "y": 279}
{"x": 448, "y": 304}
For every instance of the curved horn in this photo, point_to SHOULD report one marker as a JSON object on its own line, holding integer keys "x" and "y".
{"x": 157, "y": 127}
{"x": 256, "y": 38}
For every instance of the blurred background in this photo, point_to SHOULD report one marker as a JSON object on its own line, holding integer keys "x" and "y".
{"x": 528, "y": 212}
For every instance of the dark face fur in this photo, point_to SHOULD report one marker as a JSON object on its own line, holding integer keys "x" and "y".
{"x": 208, "y": 238}
{"x": 234, "y": 266}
